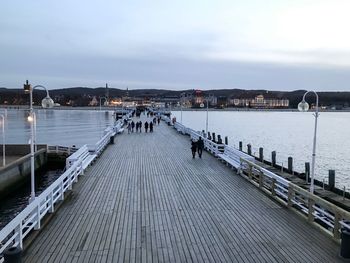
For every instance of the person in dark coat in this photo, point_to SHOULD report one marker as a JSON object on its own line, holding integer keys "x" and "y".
{"x": 200, "y": 147}
{"x": 146, "y": 126}
{"x": 132, "y": 126}
{"x": 193, "y": 148}
{"x": 140, "y": 126}
{"x": 150, "y": 126}
{"x": 158, "y": 120}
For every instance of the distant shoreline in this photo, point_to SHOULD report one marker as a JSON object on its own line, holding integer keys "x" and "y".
{"x": 26, "y": 107}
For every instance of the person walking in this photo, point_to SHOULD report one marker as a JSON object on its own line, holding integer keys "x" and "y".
{"x": 158, "y": 120}
{"x": 132, "y": 126}
{"x": 146, "y": 126}
{"x": 140, "y": 126}
{"x": 150, "y": 126}
{"x": 193, "y": 148}
{"x": 137, "y": 126}
{"x": 200, "y": 147}
{"x": 129, "y": 128}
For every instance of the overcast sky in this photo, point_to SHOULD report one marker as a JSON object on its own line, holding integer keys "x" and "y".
{"x": 249, "y": 44}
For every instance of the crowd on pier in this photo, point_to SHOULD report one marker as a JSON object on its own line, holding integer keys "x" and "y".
{"x": 137, "y": 126}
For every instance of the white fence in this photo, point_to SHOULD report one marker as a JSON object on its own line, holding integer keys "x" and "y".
{"x": 13, "y": 234}
{"x": 327, "y": 216}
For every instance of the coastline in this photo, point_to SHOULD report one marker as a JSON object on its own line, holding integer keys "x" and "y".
{"x": 97, "y": 108}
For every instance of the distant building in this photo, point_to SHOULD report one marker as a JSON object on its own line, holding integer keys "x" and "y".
{"x": 195, "y": 98}
{"x": 93, "y": 102}
{"x": 260, "y": 101}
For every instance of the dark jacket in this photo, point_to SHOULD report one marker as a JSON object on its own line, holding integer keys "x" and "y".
{"x": 200, "y": 144}
{"x": 194, "y": 146}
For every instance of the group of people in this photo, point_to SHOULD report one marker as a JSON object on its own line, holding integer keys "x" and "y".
{"x": 197, "y": 146}
{"x": 138, "y": 125}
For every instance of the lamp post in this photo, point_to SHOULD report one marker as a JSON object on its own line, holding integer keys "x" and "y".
{"x": 207, "y": 117}
{"x": 47, "y": 102}
{"x": 304, "y": 106}
{"x": 181, "y": 112}
{"x": 3, "y": 140}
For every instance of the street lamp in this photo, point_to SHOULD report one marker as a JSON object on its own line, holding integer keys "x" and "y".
{"x": 207, "y": 116}
{"x": 3, "y": 140}
{"x": 304, "y": 106}
{"x": 47, "y": 102}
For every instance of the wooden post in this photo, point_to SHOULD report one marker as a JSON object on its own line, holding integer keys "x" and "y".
{"x": 337, "y": 226}
{"x": 273, "y": 187}
{"x": 290, "y": 164}
{"x": 290, "y": 196}
{"x": 261, "y": 154}
{"x": 311, "y": 210}
{"x": 219, "y": 139}
{"x": 240, "y": 146}
{"x": 226, "y": 140}
{"x": 249, "y": 149}
{"x": 273, "y": 158}
{"x": 307, "y": 172}
{"x": 250, "y": 172}
{"x": 331, "y": 179}
{"x": 209, "y": 137}
{"x": 261, "y": 179}
{"x": 214, "y": 140}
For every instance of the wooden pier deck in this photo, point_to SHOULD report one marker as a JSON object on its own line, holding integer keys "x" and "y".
{"x": 147, "y": 200}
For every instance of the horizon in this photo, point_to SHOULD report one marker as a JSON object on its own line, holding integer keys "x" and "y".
{"x": 205, "y": 45}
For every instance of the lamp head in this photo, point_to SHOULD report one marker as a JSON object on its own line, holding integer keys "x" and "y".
{"x": 303, "y": 106}
{"x": 30, "y": 118}
{"x": 47, "y": 103}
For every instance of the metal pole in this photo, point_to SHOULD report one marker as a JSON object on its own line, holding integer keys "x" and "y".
{"x": 314, "y": 142}
{"x": 181, "y": 113}
{"x": 3, "y": 140}
{"x": 206, "y": 122}
{"x": 314, "y": 148}
{"x": 32, "y": 170}
{"x": 34, "y": 120}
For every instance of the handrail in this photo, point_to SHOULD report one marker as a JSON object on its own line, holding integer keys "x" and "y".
{"x": 315, "y": 209}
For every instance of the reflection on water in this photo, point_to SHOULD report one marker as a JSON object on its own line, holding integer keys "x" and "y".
{"x": 58, "y": 127}
{"x": 287, "y": 133}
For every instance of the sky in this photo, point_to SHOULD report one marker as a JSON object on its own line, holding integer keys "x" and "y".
{"x": 197, "y": 44}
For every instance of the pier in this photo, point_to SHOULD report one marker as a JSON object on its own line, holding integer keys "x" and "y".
{"x": 146, "y": 200}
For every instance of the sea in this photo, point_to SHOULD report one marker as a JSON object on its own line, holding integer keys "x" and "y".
{"x": 288, "y": 133}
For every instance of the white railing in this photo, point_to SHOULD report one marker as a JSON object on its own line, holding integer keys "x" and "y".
{"x": 61, "y": 149}
{"x": 13, "y": 234}
{"x": 315, "y": 209}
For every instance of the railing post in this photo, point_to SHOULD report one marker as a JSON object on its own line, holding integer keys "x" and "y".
{"x": 290, "y": 196}
{"x": 261, "y": 179}
{"x": 273, "y": 187}
{"x": 311, "y": 209}
{"x": 62, "y": 192}
{"x": 226, "y": 140}
{"x": 52, "y": 207}
{"x": 250, "y": 172}
{"x": 19, "y": 238}
{"x": 240, "y": 146}
{"x": 337, "y": 226}
{"x": 37, "y": 226}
